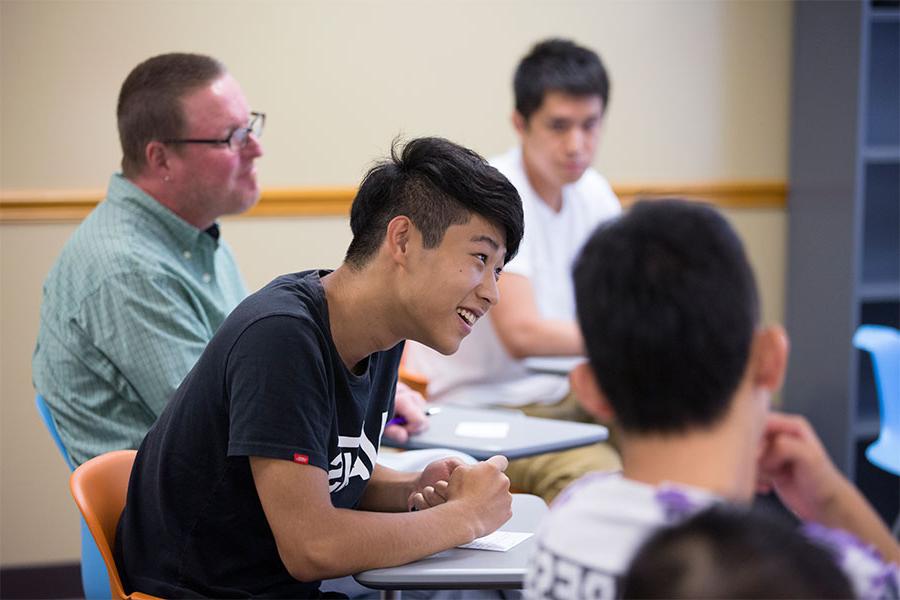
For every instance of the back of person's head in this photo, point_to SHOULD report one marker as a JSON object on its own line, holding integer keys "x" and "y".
{"x": 667, "y": 304}
{"x": 557, "y": 65}
{"x": 149, "y": 106}
{"x": 435, "y": 183}
{"x": 728, "y": 552}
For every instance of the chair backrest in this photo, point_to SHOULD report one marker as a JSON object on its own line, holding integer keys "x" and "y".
{"x": 884, "y": 345}
{"x": 44, "y": 411}
{"x": 99, "y": 487}
{"x": 415, "y": 380}
{"x": 94, "y": 579}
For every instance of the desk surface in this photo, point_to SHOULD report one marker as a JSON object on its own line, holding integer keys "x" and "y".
{"x": 557, "y": 365}
{"x": 459, "y": 568}
{"x": 524, "y": 435}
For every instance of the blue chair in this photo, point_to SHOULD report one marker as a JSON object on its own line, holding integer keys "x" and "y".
{"x": 94, "y": 579}
{"x": 883, "y": 343}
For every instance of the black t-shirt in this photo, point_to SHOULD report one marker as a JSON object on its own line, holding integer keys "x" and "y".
{"x": 270, "y": 383}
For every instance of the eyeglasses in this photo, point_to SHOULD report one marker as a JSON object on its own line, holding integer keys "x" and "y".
{"x": 237, "y": 139}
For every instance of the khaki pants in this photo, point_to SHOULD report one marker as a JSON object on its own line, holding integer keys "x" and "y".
{"x": 546, "y": 475}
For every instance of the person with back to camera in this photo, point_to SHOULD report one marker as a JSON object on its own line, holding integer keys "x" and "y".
{"x": 684, "y": 371}
{"x": 260, "y": 477}
{"x": 561, "y": 96}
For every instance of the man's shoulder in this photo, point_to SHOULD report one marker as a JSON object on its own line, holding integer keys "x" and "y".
{"x": 608, "y": 507}
{"x": 621, "y": 499}
{"x": 295, "y": 299}
{"x": 609, "y": 487}
{"x": 870, "y": 575}
{"x": 591, "y": 509}
{"x": 594, "y": 188}
{"x": 510, "y": 157}
{"x": 298, "y": 292}
{"x": 120, "y": 225}
{"x": 510, "y": 165}
{"x": 105, "y": 246}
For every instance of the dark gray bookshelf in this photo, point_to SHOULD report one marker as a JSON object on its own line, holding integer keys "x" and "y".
{"x": 844, "y": 223}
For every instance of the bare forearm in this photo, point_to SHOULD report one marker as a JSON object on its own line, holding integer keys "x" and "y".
{"x": 523, "y": 329}
{"x": 388, "y": 490}
{"x": 850, "y": 511}
{"x": 316, "y": 540}
{"x": 543, "y": 337}
{"x": 350, "y": 541}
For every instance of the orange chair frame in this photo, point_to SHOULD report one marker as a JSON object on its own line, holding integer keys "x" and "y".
{"x": 100, "y": 487}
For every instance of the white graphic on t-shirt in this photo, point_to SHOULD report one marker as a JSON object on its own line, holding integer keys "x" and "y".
{"x": 345, "y": 468}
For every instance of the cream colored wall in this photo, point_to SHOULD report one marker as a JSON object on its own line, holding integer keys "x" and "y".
{"x": 700, "y": 92}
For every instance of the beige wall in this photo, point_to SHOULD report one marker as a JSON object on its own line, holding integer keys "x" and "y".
{"x": 700, "y": 93}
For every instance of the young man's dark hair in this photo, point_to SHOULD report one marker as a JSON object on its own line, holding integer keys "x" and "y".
{"x": 435, "y": 183}
{"x": 668, "y": 305}
{"x": 729, "y": 552}
{"x": 149, "y": 106}
{"x": 558, "y": 65}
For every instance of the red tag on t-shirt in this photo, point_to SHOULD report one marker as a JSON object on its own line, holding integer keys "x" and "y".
{"x": 302, "y": 459}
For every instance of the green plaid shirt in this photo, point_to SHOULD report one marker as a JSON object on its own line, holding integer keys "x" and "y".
{"x": 127, "y": 309}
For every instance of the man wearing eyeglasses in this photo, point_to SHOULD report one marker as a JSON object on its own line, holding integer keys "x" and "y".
{"x": 145, "y": 280}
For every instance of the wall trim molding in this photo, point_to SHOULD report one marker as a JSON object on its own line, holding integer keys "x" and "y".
{"x": 48, "y": 206}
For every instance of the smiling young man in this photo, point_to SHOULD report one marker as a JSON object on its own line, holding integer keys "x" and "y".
{"x": 561, "y": 93}
{"x": 260, "y": 477}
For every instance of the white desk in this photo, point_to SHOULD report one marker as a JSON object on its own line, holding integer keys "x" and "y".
{"x": 524, "y": 435}
{"x": 459, "y": 568}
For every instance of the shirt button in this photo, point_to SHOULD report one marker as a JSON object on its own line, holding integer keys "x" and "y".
{"x": 207, "y": 277}
{"x": 186, "y": 254}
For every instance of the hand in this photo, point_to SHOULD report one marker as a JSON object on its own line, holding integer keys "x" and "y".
{"x": 793, "y": 462}
{"x": 410, "y": 405}
{"x": 431, "y": 487}
{"x": 485, "y": 490}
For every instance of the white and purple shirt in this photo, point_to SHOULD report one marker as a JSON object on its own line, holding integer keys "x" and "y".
{"x": 595, "y": 527}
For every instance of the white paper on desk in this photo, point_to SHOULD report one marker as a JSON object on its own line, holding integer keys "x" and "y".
{"x": 482, "y": 429}
{"x": 499, "y": 541}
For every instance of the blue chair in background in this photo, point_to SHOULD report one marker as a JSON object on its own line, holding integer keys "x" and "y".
{"x": 883, "y": 343}
{"x": 94, "y": 579}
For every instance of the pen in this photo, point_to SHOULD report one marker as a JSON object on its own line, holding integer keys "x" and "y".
{"x": 431, "y": 410}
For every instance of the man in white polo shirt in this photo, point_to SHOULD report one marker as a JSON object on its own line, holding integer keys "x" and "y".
{"x": 561, "y": 94}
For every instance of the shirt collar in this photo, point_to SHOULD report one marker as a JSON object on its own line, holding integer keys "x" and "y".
{"x": 122, "y": 190}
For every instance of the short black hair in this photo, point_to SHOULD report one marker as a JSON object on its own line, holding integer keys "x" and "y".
{"x": 731, "y": 552}
{"x": 435, "y": 183}
{"x": 557, "y": 65}
{"x": 149, "y": 106}
{"x": 668, "y": 306}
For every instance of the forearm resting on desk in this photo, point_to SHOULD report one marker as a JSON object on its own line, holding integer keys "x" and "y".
{"x": 318, "y": 541}
{"x": 392, "y": 491}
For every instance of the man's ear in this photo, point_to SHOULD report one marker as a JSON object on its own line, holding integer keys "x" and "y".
{"x": 520, "y": 124}
{"x": 587, "y": 390}
{"x": 397, "y": 238}
{"x": 770, "y": 356}
{"x": 157, "y": 156}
